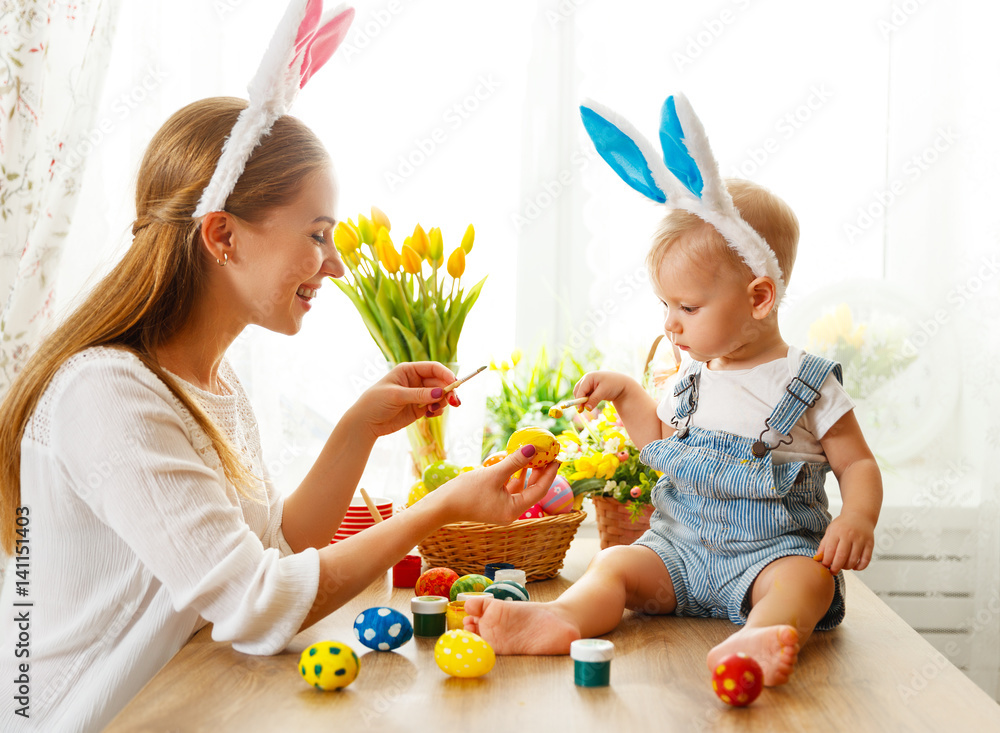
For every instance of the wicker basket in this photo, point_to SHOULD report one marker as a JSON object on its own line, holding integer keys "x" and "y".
{"x": 536, "y": 546}
{"x": 614, "y": 523}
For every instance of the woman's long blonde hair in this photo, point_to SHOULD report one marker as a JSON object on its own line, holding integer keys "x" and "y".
{"x": 148, "y": 295}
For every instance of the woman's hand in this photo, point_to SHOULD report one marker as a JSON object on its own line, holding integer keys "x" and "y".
{"x": 496, "y": 494}
{"x": 412, "y": 389}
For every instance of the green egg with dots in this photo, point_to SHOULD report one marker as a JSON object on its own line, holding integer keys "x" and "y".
{"x": 329, "y": 665}
{"x": 438, "y": 473}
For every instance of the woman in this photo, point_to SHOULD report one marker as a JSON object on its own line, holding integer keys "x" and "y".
{"x": 135, "y": 469}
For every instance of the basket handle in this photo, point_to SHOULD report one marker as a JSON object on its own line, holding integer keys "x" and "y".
{"x": 652, "y": 353}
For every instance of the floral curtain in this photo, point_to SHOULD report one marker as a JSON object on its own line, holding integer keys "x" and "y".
{"x": 53, "y": 61}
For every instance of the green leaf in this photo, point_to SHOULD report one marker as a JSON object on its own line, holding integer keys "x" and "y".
{"x": 417, "y": 350}
{"x": 366, "y": 316}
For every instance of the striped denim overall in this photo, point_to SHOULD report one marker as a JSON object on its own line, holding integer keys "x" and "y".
{"x": 725, "y": 510}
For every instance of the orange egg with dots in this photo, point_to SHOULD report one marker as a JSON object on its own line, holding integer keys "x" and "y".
{"x": 494, "y": 458}
{"x": 546, "y": 445}
{"x": 738, "y": 680}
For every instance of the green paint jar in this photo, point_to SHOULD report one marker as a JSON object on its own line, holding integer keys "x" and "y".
{"x": 429, "y": 615}
{"x": 592, "y": 662}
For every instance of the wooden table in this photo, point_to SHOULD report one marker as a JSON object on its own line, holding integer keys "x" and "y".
{"x": 873, "y": 673}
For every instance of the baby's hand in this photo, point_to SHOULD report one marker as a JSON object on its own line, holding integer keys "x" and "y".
{"x": 847, "y": 544}
{"x": 597, "y": 386}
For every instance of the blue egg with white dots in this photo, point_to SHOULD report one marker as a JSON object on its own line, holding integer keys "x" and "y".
{"x": 382, "y": 629}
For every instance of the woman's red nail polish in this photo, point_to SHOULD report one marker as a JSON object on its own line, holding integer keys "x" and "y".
{"x": 528, "y": 451}
{"x": 436, "y": 393}
{"x": 428, "y": 414}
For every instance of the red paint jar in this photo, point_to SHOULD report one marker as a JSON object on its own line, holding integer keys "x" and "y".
{"x": 406, "y": 571}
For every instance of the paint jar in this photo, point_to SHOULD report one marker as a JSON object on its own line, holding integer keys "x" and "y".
{"x": 592, "y": 662}
{"x": 430, "y": 615}
{"x": 456, "y": 612}
{"x": 518, "y": 576}
{"x": 491, "y": 569}
{"x": 406, "y": 572}
{"x": 466, "y": 595}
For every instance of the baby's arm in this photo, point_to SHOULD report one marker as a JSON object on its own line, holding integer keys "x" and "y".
{"x": 850, "y": 538}
{"x": 635, "y": 407}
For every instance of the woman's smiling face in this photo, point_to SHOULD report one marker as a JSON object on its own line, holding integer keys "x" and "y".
{"x": 283, "y": 259}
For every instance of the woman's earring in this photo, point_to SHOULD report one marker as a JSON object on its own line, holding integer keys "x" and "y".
{"x": 224, "y": 261}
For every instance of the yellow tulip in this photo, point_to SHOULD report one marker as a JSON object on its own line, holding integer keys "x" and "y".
{"x": 435, "y": 250}
{"x": 411, "y": 260}
{"x": 345, "y": 238}
{"x": 515, "y": 355}
{"x": 379, "y": 219}
{"x": 386, "y": 252}
{"x": 367, "y": 229}
{"x": 419, "y": 241}
{"x": 468, "y": 239}
{"x": 456, "y": 263}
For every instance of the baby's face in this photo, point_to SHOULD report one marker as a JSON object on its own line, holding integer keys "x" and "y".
{"x": 707, "y": 307}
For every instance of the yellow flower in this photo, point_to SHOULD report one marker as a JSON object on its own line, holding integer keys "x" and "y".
{"x": 345, "y": 238}
{"x": 515, "y": 355}
{"x": 419, "y": 241}
{"x": 435, "y": 250}
{"x": 468, "y": 239}
{"x": 386, "y": 252}
{"x": 456, "y": 263}
{"x": 411, "y": 260}
{"x": 835, "y": 326}
{"x": 366, "y": 229}
{"x": 379, "y": 219}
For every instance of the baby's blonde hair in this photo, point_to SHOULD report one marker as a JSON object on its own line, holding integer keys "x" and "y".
{"x": 769, "y": 215}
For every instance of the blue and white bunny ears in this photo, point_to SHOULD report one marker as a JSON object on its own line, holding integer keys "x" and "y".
{"x": 686, "y": 177}
{"x": 304, "y": 40}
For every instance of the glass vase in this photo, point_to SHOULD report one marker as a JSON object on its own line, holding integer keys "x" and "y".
{"x": 427, "y": 436}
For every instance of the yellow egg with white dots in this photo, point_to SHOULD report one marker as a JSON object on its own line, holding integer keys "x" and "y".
{"x": 463, "y": 654}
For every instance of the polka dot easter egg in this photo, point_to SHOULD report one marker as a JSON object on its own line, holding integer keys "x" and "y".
{"x": 382, "y": 629}
{"x": 436, "y": 582}
{"x": 438, "y": 473}
{"x": 535, "y": 511}
{"x": 417, "y": 492}
{"x": 508, "y": 590}
{"x": 467, "y": 583}
{"x": 463, "y": 654}
{"x": 546, "y": 445}
{"x": 559, "y": 498}
{"x": 738, "y": 680}
{"x": 329, "y": 665}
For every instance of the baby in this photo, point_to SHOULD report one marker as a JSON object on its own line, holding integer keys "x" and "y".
{"x": 741, "y": 528}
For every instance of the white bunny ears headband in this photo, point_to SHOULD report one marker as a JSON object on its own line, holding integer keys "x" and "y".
{"x": 686, "y": 177}
{"x": 304, "y": 40}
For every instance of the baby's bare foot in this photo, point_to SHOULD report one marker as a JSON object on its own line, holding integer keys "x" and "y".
{"x": 775, "y": 648}
{"x": 516, "y": 627}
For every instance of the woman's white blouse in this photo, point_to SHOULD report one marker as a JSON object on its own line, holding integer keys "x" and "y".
{"x": 136, "y": 541}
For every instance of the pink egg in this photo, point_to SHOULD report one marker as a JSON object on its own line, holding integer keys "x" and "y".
{"x": 535, "y": 512}
{"x": 559, "y": 498}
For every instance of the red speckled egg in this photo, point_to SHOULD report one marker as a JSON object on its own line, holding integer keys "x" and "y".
{"x": 435, "y": 582}
{"x": 738, "y": 680}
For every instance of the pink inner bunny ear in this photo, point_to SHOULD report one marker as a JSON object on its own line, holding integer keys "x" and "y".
{"x": 322, "y": 46}
{"x": 314, "y": 9}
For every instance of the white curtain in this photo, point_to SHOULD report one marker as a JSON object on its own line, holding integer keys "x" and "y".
{"x": 53, "y": 62}
{"x": 876, "y": 121}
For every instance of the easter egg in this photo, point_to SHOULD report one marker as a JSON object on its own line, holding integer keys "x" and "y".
{"x": 738, "y": 680}
{"x": 559, "y": 498}
{"x": 435, "y": 582}
{"x": 546, "y": 445}
{"x": 468, "y": 583}
{"x": 417, "y": 492}
{"x": 329, "y": 665}
{"x": 507, "y": 590}
{"x": 461, "y": 653}
{"x": 438, "y": 473}
{"x": 494, "y": 458}
{"x": 535, "y": 511}
{"x": 382, "y": 629}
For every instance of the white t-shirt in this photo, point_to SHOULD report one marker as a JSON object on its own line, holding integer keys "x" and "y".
{"x": 136, "y": 541}
{"x": 739, "y": 402}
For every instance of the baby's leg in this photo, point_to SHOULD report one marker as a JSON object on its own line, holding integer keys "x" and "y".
{"x": 789, "y": 597}
{"x": 622, "y": 577}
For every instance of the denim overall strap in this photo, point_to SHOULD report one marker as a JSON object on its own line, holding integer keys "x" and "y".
{"x": 686, "y": 395}
{"x": 801, "y": 393}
